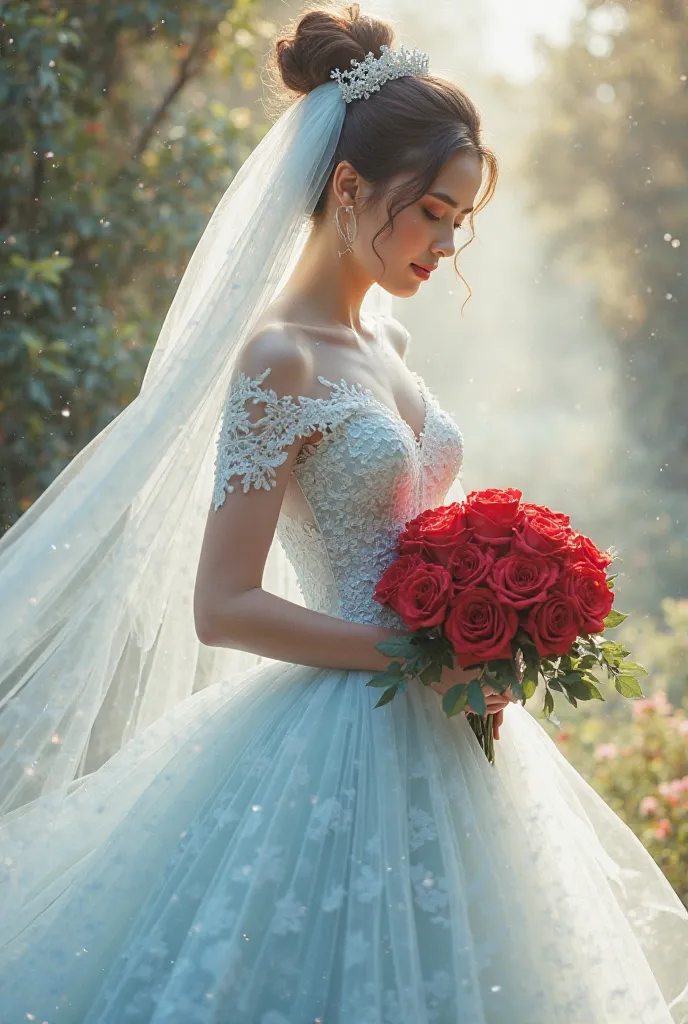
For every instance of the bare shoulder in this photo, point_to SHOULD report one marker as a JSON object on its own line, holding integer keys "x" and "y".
{"x": 397, "y": 335}
{"x": 279, "y": 348}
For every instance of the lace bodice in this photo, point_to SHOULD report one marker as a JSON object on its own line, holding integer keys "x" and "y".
{"x": 350, "y": 494}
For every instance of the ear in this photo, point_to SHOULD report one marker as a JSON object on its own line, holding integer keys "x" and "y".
{"x": 346, "y": 183}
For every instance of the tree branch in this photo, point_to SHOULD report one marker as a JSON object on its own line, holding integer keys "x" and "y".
{"x": 186, "y": 69}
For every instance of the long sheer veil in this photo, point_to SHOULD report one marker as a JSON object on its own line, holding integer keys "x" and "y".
{"x": 96, "y": 580}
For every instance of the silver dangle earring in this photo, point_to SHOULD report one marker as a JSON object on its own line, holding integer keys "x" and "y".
{"x": 349, "y": 231}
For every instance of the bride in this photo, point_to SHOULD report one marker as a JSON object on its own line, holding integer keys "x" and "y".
{"x": 205, "y": 819}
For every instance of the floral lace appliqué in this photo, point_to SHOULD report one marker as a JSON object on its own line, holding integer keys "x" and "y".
{"x": 352, "y": 492}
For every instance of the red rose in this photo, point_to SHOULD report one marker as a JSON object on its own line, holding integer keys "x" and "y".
{"x": 435, "y": 533}
{"x": 493, "y": 513}
{"x": 588, "y": 589}
{"x": 470, "y": 564}
{"x": 422, "y": 597}
{"x": 542, "y": 532}
{"x": 582, "y": 549}
{"x": 553, "y": 625}
{"x": 394, "y": 574}
{"x": 479, "y": 627}
{"x": 523, "y": 580}
{"x": 530, "y": 508}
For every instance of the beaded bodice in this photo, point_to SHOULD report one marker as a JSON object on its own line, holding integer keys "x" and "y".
{"x": 350, "y": 494}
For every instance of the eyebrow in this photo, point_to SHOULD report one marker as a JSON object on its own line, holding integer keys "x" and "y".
{"x": 448, "y": 199}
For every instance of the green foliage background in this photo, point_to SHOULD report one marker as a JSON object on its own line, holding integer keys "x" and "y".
{"x": 607, "y": 168}
{"x": 111, "y": 161}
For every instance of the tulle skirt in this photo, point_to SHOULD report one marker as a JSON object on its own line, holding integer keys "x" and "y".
{"x": 278, "y": 851}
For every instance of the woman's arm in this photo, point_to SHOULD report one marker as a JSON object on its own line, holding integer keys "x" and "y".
{"x": 231, "y": 608}
{"x": 260, "y": 622}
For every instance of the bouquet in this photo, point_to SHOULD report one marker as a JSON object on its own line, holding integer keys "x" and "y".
{"x": 513, "y": 592}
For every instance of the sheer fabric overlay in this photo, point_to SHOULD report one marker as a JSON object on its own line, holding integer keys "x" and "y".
{"x": 275, "y": 850}
{"x": 294, "y": 855}
{"x": 96, "y": 578}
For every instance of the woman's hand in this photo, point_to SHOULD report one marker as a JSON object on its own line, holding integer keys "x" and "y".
{"x": 495, "y": 702}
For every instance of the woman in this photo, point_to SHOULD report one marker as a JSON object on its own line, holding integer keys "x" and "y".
{"x": 186, "y": 841}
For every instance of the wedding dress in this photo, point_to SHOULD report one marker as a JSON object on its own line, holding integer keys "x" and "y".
{"x": 275, "y": 850}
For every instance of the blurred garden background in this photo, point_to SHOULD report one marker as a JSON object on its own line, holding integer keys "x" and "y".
{"x": 123, "y": 123}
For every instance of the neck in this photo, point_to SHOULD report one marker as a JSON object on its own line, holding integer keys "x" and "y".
{"x": 325, "y": 288}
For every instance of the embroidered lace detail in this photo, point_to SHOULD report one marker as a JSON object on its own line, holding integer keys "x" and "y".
{"x": 352, "y": 491}
{"x": 254, "y": 448}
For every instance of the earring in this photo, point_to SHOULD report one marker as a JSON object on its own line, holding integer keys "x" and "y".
{"x": 349, "y": 231}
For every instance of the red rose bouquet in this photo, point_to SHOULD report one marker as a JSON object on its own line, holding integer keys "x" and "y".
{"x": 509, "y": 589}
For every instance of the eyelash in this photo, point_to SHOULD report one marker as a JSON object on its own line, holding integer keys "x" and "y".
{"x": 431, "y": 216}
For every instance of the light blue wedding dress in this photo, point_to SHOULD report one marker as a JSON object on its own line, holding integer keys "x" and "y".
{"x": 275, "y": 850}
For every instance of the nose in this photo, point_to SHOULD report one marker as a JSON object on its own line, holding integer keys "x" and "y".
{"x": 444, "y": 246}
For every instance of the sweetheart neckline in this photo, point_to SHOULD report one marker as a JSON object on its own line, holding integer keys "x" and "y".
{"x": 423, "y": 390}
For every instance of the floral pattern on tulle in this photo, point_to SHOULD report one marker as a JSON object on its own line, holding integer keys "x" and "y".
{"x": 302, "y": 857}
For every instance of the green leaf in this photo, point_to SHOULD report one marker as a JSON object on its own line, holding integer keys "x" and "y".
{"x": 587, "y": 661}
{"x": 446, "y": 658}
{"x": 548, "y": 706}
{"x": 454, "y": 700}
{"x": 632, "y": 666}
{"x": 397, "y": 647}
{"x": 517, "y": 690}
{"x": 614, "y": 619}
{"x": 529, "y": 687}
{"x": 570, "y": 677}
{"x": 476, "y": 697}
{"x": 391, "y": 674}
{"x": 614, "y": 653}
{"x": 628, "y": 685}
{"x": 583, "y": 689}
{"x": 387, "y": 696}
{"x": 432, "y": 673}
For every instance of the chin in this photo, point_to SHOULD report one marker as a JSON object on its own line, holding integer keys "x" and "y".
{"x": 401, "y": 291}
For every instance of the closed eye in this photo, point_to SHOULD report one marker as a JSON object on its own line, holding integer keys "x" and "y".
{"x": 431, "y": 216}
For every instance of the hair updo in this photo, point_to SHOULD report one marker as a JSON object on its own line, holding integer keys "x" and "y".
{"x": 410, "y": 127}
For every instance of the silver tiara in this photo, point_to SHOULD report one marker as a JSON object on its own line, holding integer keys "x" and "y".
{"x": 368, "y": 75}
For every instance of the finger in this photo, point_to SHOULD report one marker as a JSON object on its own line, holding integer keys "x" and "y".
{"x": 496, "y": 704}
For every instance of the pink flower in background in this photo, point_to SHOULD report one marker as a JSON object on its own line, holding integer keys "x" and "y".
{"x": 656, "y": 703}
{"x": 642, "y": 707}
{"x": 662, "y": 828}
{"x": 649, "y": 805}
{"x": 660, "y": 703}
{"x": 673, "y": 790}
{"x": 605, "y": 752}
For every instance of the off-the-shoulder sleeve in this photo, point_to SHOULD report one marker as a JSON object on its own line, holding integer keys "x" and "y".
{"x": 253, "y": 443}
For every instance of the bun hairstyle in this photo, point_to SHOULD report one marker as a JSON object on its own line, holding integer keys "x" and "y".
{"x": 327, "y": 37}
{"x": 410, "y": 127}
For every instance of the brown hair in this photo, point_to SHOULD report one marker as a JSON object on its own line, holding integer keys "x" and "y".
{"x": 432, "y": 116}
